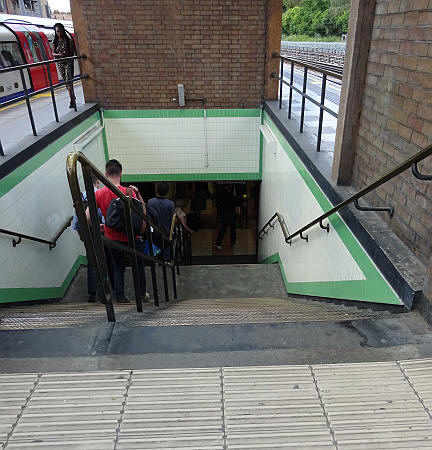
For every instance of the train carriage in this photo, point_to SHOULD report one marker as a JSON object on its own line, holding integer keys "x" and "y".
{"x": 25, "y": 40}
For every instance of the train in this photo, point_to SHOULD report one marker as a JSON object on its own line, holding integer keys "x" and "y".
{"x": 26, "y": 40}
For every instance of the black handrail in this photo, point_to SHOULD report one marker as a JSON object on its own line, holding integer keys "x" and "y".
{"x": 410, "y": 162}
{"x": 317, "y": 68}
{"x": 21, "y": 68}
{"x": 51, "y": 243}
{"x": 269, "y": 223}
{"x": 95, "y": 242}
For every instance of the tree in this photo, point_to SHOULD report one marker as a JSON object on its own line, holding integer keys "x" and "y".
{"x": 288, "y": 4}
{"x": 311, "y": 17}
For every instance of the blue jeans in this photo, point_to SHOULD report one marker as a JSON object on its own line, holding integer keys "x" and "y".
{"x": 118, "y": 259}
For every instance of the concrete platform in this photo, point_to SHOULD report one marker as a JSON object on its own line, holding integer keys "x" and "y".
{"x": 347, "y": 406}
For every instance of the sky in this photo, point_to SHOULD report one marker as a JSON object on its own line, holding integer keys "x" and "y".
{"x": 61, "y": 5}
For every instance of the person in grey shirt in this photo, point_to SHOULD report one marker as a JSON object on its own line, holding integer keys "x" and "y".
{"x": 161, "y": 211}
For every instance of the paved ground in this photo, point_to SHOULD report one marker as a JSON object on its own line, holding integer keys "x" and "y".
{"x": 351, "y": 406}
{"x": 14, "y": 119}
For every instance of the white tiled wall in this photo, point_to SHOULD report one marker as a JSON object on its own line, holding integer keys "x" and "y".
{"x": 178, "y": 145}
{"x": 324, "y": 257}
{"x": 39, "y": 206}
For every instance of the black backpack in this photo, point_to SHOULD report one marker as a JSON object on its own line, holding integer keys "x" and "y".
{"x": 116, "y": 217}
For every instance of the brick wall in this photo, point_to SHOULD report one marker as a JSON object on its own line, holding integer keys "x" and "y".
{"x": 140, "y": 50}
{"x": 396, "y": 118}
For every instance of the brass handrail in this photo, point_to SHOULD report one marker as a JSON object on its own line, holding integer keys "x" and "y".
{"x": 75, "y": 157}
{"x": 173, "y": 221}
{"x": 51, "y": 243}
{"x": 282, "y": 224}
{"x": 412, "y": 161}
{"x": 95, "y": 243}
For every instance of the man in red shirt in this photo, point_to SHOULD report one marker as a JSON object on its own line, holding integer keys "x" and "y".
{"x": 113, "y": 171}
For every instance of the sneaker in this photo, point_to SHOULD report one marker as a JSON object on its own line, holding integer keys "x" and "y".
{"x": 91, "y": 298}
{"x": 146, "y": 298}
{"x": 123, "y": 300}
{"x": 219, "y": 247}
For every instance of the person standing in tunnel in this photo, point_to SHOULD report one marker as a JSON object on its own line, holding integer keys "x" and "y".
{"x": 226, "y": 203}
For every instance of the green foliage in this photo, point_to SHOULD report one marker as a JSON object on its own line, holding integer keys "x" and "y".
{"x": 288, "y": 4}
{"x": 315, "y": 17}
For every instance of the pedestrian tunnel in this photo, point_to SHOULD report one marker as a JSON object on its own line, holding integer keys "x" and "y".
{"x": 199, "y": 153}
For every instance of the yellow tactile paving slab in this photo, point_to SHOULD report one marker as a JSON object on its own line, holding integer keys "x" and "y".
{"x": 338, "y": 406}
{"x": 184, "y": 312}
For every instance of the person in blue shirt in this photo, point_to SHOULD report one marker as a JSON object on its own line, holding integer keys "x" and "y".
{"x": 161, "y": 211}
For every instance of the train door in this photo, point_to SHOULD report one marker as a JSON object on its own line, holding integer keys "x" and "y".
{"x": 43, "y": 50}
{"x": 32, "y": 54}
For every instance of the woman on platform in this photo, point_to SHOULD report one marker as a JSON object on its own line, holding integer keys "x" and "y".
{"x": 63, "y": 47}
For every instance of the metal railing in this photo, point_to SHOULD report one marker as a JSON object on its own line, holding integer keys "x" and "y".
{"x": 410, "y": 162}
{"x": 27, "y": 95}
{"x": 94, "y": 241}
{"x": 307, "y": 67}
{"x": 51, "y": 243}
{"x": 270, "y": 224}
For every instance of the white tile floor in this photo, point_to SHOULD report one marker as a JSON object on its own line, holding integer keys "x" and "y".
{"x": 343, "y": 406}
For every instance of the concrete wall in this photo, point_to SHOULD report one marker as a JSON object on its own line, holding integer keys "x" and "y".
{"x": 139, "y": 51}
{"x": 396, "y": 116}
{"x": 330, "y": 264}
{"x": 35, "y": 200}
{"x": 192, "y": 144}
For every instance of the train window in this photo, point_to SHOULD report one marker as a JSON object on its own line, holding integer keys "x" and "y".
{"x": 1, "y": 88}
{"x": 32, "y": 46}
{"x": 10, "y": 54}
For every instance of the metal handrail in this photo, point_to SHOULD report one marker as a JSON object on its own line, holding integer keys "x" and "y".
{"x": 410, "y": 162}
{"x": 269, "y": 223}
{"x": 51, "y": 243}
{"x": 325, "y": 73}
{"x": 42, "y": 63}
{"x": 21, "y": 68}
{"x": 303, "y": 63}
{"x": 94, "y": 242}
{"x": 80, "y": 157}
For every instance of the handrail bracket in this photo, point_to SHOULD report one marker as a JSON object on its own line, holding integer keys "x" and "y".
{"x": 389, "y": 209}
{"x": 324, "y": 227}
{"x": 419, "y": 175}
{"x": 16, "y": 242}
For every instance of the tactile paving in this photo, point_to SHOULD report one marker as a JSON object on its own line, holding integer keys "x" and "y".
{"x": 338, "y": 406}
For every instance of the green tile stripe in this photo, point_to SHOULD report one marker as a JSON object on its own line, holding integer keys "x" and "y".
{"x": 8, "y": 295}
{"x": 19, "y": 174}
{"x": 105, "y": 145}
{"x": 361, "y": 258}
{"x": 128, "y": 178}
{"x": 233, "y": 112}
{"x": 177, "y": 113}
{"x": 261, "y": 146}
{"x": 372, "y": 291}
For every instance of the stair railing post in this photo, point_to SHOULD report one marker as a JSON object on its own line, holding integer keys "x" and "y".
{"x": 164, "y": 271}
{"x": 133, "y": 257}
{"x": 153, "y": 265}
{"x": 95, "y": 248}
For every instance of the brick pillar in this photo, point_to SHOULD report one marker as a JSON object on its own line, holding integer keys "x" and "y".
{"x": 361, "y": 19}
{"x": 86, "y": 65}
{"x": 273, "y": 43}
